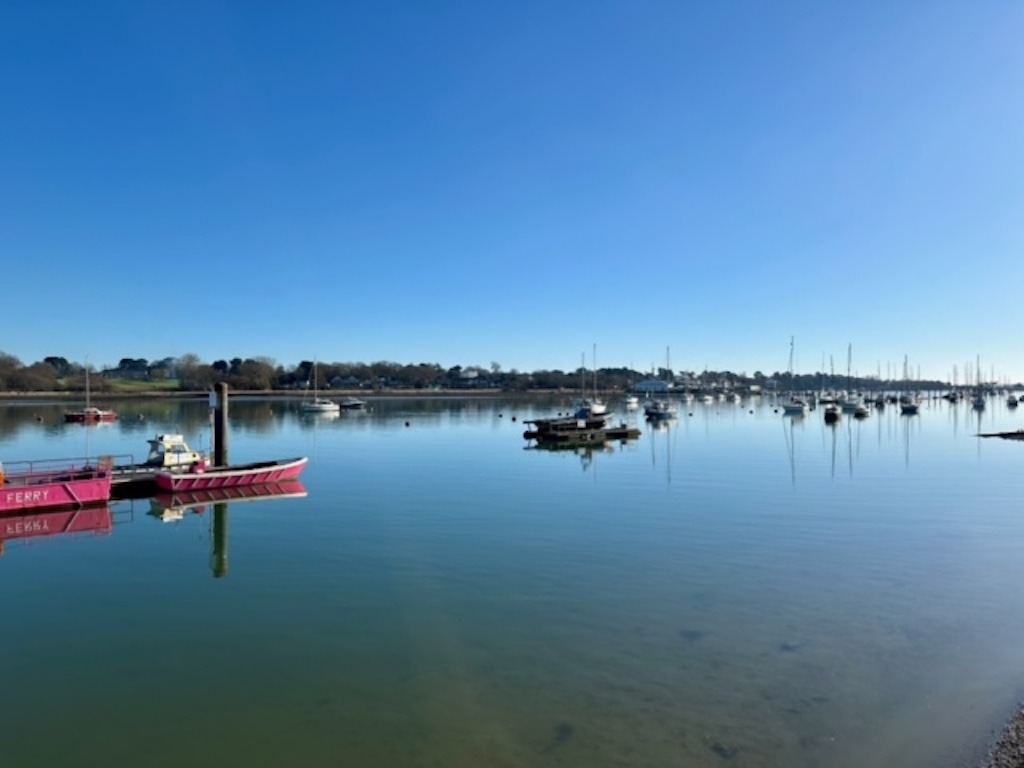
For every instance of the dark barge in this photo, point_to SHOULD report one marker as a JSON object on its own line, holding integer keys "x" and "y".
{"x": 571, "y": 431}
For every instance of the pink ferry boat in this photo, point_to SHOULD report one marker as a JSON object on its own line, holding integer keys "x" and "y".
{"x": 53, "y": 483}
{"x": 202, "y": 477}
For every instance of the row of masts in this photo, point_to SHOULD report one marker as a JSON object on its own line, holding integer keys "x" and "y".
{"x": 910, "y": 373}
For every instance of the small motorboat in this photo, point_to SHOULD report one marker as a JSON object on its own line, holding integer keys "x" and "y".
{"x": 169, "y": 451}
{"x": 206, "y": 477}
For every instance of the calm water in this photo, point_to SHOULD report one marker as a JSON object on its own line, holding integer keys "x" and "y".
{"x": 738, "y": 589}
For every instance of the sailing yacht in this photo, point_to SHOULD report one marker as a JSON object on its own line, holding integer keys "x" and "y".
{"x": 590, "y": 407}
{"x": 90, "y": 414}
{"x": 319, "y": 404}
{"x": 796, "y": 405}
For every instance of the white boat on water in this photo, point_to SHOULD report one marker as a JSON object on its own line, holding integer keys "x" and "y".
{"x": 169, "y": 451}
{"x": 352, "y": 404}
{"x": 795, "y": 406}
{"x": 850, "y": 404}
{"x": 632, "y": 402}
{"x": 320, "y": 405}
{"x": 656, "y": 410}
{"x": 317, "y": 404}
{"x": 591, "y": 408}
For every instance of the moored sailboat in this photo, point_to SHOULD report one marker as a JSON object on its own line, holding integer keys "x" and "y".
{"x": 318, "y": 404}
{"x": 89, "y": 414}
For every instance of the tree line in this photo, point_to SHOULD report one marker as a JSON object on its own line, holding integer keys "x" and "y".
{"x": 190, "y": 373}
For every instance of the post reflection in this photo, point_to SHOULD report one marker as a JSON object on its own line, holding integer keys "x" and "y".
{"x": 176, "y": 507}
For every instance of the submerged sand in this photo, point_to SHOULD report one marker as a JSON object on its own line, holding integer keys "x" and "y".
{"x": 1008, "y": 751}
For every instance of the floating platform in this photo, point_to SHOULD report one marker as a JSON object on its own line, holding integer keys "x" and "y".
{"x": 569, "y": 431}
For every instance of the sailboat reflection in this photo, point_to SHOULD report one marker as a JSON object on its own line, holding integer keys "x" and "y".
{"x": 791, "y": 447}
{"x": 668, "y": 428}
{"x": 97, "y": 520}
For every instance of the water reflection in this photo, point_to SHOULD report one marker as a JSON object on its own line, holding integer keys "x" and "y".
{"x": 788, "y": 427}
{"x": 174, "y": 508}
{"x": 585, "y": 453}
{"x": 96, "y": 521}
{"x": 662, "y": 436}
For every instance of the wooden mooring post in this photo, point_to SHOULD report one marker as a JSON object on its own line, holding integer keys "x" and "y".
{"x": 220, "y": 426}
{"x": 219, "y": 555}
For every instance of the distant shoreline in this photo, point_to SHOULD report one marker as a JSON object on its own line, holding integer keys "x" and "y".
{"x": 284, "y": 393}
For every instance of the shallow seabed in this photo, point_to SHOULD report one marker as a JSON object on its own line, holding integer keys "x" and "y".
{"x": 735, "y": 588}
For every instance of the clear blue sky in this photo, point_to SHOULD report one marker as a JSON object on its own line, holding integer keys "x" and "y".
{"x": 468, "y": 182}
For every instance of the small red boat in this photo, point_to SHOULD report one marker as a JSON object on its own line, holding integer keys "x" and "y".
{"x": 90, "y": 415}
{"x": 54, "y": 483}
{"x": 202, "y": 477}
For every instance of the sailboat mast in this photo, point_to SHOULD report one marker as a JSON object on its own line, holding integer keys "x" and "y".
{"x": 791, "y": 338}
{"x": 583, "y": 375}
{"x": 849, "y": 363}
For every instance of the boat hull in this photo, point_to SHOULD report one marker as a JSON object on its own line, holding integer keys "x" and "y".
{"x": 321, "y": 407}
{"x": 231, "y": 477}
{"x": 71, "y": 487}
{"x": 80, "y": 417}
